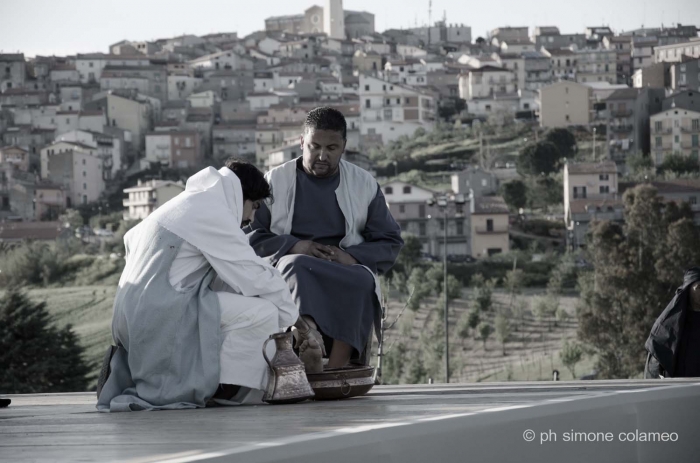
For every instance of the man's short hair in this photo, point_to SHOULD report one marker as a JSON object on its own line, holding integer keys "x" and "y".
{"x": 253, "y": 183}
{"x": 326, "y": 118}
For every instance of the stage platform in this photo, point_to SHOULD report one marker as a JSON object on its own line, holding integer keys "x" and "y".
{"x": 429, "y": 423}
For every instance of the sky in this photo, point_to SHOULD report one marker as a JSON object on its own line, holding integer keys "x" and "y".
{"x": 65, "y": 27}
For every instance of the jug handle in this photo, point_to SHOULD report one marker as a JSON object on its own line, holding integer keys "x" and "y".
{"x": 265, "y": 352}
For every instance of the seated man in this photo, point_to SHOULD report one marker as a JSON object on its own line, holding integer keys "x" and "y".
{"x": 195, "y": 304}
{"x": 330, "y": 233}
{"x": 673, "y": 345}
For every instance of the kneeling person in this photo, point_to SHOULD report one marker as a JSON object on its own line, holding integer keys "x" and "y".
{"x": 330, "y": 234}
{"x": 194, "y": 303}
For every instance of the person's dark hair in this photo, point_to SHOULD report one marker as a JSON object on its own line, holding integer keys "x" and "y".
{"x": 253, "y": 183}
{"x": 326, "y": 118}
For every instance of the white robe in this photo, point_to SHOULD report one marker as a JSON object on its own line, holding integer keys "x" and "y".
{"x": 255, "y": 301}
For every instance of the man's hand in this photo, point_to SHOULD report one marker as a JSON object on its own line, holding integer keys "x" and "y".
{"x": 309, "y": 248}
{"x": 342, "y": 257}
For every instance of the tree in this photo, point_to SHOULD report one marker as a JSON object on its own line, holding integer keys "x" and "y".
{"x": 71, "y": 219}
{"x": 463, "y": 326}
{"x": 544, "y": 191}
{"x": 681, "y": 251}
{"x": 571, "y": 354}
{"x": 561, "y": 315}
{"x": 564, "y": 140}
{"x": 36, "y": 356}
{"x": 540, "y": 158}
{"x": 394, "y": 362}
{"x": 483, "y": 292}
{"x": 485, "y": 331}
{"x": 480, "y": 41}
{"x": 515, "y": 194}
{"x": 420, "y": 286}
{"x": 473, "y": 319}
{"x": 502, "y": 325}
{"x": 679, "y": 164}
{"x": 514, "y": 284}
{"x": 544, "y": 308}
{"x": 409, "y": 255}
{"x": 518, "y": 311}
{"x": 625, "y": 293}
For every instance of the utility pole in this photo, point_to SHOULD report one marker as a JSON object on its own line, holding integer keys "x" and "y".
{"x": 595, "y": 155}
{"x": 444, "y": 291}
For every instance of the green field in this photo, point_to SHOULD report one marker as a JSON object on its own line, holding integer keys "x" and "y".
{"x": 88, "y": 309}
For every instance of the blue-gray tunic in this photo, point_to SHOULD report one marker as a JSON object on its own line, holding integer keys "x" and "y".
{"x": 340, "y": 298}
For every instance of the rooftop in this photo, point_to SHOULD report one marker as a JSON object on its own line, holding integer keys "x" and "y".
{"x": 623, "y": 94}
{"x": 490, "y": 205}
{"x": 583, "y": 206}
{"x": 606, "y": 167}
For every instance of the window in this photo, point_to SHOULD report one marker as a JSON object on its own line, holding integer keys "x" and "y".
{"x": 407, "y": 190}
{"x": 388, "y": 115}
{"x": 658, "y": 142}
{"x": 84, "y": 186}
{"x": 421, "y": 229}
{"x": 488, "y": 107}
{"x": 91, "y": 65}
{"x": 659, "y": 157}
{"x": 388, "y": 101}
{"x": 603, "y": 177}
{"x": 398, "y": 101}
{"x": 567, "y": 118}
{"x": 402, "y": 208}
{"x": 694, "y": 140}
{"x": 694, "y": 155}
{"x": 676, "y": 138}
{"x": 84, "y": 161}
{"x": 421, "y": 210}
{"x": 368, "y": 104}
{"x": 489, "y": 225}
{"x": 658, "y": 126}
{"x": 188, "y": 142}
{"x": 604, "y": 189}
{"x": 84, "y": 174}
{"x": 693, "y": 200}
{"x": 696, "y": 124}
{"x": 442, "y": 225}
{"x": 366, "y": 88}
{"x": 676, "y": 123}
{"x": 388, "y": 190}
{"x": 384, "y": 87}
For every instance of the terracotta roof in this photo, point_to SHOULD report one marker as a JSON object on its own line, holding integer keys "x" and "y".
{"x": 490, "y": 205}
{"x": 607, "y": 167}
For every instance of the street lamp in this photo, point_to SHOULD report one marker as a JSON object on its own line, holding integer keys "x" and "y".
{"x": 442, "y": 202}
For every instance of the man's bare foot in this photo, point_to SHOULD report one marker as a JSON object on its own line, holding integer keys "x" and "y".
{"x": 310, "y": 344}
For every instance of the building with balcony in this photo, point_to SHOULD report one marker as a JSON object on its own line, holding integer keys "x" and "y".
{"x": 489, "y": 226}
{"x": 675, "y": 131}
{"x": 409, "y": 206}
{"x": 538, "y": 70}
{"x": 622, "y": 45}
{"x": 14, "y": 157}
{"x": 562, "y": 63}
{"x": 675, "y": 52}
{"x": 175, "y": 148}
{"x": 591, "y": 191}
{"x": 685, "y": 75}
{"x": 390, "y": 110}
{"x": 596, "y": 66}
{"x": 146, "y": 197}
{"x": 621, "y": 123}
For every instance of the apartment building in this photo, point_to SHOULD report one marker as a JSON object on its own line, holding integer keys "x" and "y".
{"x": 674, "y": 53}
{"x": 389, "y": 111}
{"x": 564, "y": 104}
{"x": 621, "y": 123}
{"x": 180, "y": 149}
{"x": 409, "y": 206}
{"x": 596, "y": 66}
{"x": 489, "y": 226}
{"x": 146, "y": 197}
{"x": 591, "y": 192}
{"x": 675, "y": 131}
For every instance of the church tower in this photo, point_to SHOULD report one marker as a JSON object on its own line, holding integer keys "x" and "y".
{"x": 334, "y": 19}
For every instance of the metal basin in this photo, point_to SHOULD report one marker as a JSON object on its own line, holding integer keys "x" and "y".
{"x": 341, "y": 383}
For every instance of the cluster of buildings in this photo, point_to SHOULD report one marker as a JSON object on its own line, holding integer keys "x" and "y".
{"x": 72, "y": 127}
{"x": 593, "y": 191}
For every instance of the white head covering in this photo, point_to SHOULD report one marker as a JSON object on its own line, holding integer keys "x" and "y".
{"x": 208, "y": 213}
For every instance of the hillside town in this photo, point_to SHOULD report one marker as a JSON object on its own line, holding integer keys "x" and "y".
{"x": 78, "y": 130}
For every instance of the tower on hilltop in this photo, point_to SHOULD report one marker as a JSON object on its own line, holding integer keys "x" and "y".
{"x": 334, "y": 19}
